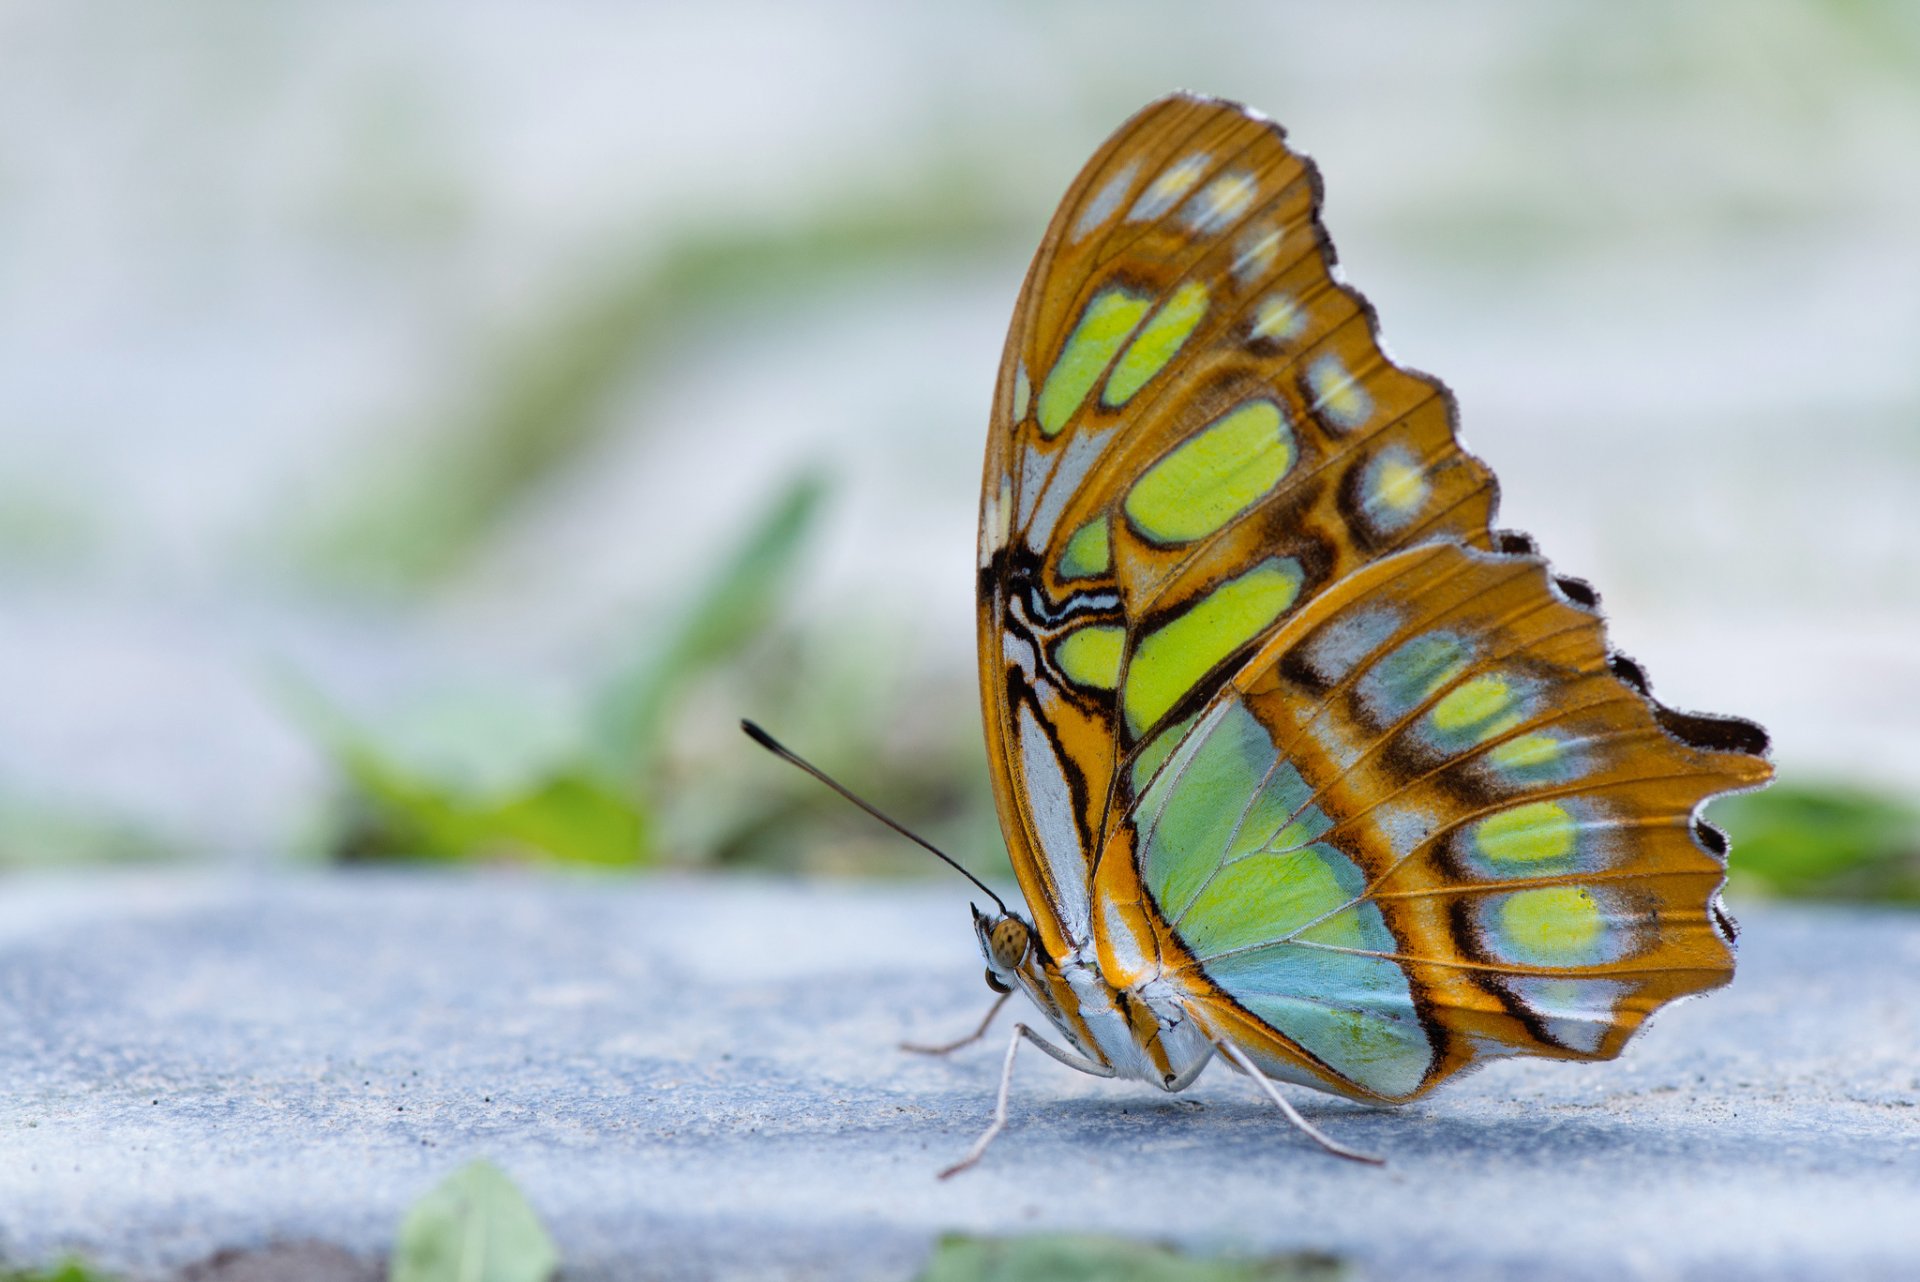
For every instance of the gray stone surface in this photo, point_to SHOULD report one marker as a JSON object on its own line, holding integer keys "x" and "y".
{"x": 694, "y": 1079}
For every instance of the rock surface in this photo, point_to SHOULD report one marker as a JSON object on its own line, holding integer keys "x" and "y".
{"x": 698, "y": 1079}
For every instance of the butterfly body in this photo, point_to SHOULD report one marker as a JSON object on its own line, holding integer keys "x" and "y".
{"x": 1141, "y": 1030}
{"x": 1301, "y": 761}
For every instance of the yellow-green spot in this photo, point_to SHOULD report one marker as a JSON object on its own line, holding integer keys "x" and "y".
{"x": 1213, "y": 476}
{"x": 1553, "y": 925}
{"x": 1090, "y": 656}
{"x": 1536, "y": 833}
{"x": 1526, "y": 752}
{"x": 1157, "y": 343}
{"x": 1476, "y": 710}
{"x": 1088, "y": 552}
{"x": 1108, "y": 320}
{"x": 1172, "y": 658}
{"x": 1154, "y": 753}
{"x": 1472, "y": 702}
{"x": 1022, "y": 392}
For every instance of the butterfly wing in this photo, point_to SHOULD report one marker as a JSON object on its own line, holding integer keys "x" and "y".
{"x": 1194, "y": 431}
{"x": 1274, "y": 714}
{"x": 1454, "y": 828}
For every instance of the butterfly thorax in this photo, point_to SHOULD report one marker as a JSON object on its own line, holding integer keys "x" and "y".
{"x": 1142, "y": 1032}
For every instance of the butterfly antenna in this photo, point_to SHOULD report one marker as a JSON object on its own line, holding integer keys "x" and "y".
{"x": 787, "y": 755}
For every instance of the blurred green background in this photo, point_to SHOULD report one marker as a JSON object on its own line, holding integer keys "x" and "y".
{"x": 425, "y": 430}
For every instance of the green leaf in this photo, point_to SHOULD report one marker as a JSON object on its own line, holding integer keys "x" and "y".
{"x": 734, "y": 605}
{"x": 418, "y": 793}
{"x": 65, "y": 1271}
{"x": 1824, "y": 841}
{"x": 473, "y": 1227}
{"x": 1066, "y": 1257}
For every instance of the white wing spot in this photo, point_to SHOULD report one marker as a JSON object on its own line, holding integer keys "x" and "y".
{"x": 1050, "y": 805}
{"x": 1278, "y": 317}
{"x": 1337, "y": 396}
{"x": 1104, "y": 202}
{"x": 1221, "y": 201}
{"x": 1256, "y": 253}
{"x": 1164, "y": 192}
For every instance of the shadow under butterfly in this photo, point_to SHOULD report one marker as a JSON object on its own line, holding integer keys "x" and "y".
{"x": 1301, "y": 763}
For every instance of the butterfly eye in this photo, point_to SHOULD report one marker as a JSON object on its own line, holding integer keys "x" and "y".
{"x": 1009, "y": 942}
{"x": 995, "y": 983}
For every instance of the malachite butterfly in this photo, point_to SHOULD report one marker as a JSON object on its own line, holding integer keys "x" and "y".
{"x": 1301, "y": 762}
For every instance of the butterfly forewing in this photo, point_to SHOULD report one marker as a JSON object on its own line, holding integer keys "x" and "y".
{"x": 1274, "y": 714}
{"x": 1195, "y": 427}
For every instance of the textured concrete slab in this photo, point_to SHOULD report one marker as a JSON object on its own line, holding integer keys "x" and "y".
{"x": 695, "y": 1080}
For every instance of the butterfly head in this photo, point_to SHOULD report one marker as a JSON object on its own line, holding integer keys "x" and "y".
{"x": 1007, "y": 943}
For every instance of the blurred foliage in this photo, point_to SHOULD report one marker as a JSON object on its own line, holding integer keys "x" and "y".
{"x": 568, "y": 777}
{"x": 474, "y": 1226}
{"x": 735, "y": 606}
{"x": 1066, "y": 1257}
{"x": 66, "y": 1271}
{"x": 548, "y": 393}
{"x": 45, "y": 526}
{"x": 1824, "y": 841}
{"x": 38, "y": 834}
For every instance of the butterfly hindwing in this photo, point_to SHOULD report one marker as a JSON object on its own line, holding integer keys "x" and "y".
{"x": 1454, "y": 834}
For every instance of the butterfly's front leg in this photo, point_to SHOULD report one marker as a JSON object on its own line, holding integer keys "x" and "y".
{"x": 999, "y": 1122}
{"x": 950, "y": 1047}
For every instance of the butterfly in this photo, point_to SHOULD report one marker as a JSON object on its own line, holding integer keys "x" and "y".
{"x": 1303, "y": 764}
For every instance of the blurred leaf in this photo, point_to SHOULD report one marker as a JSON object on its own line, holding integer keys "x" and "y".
{"x": 473, "y": 1227}
{"x": 1065, "y": 1257}
{"x": 734, "y": 605}
{"x": 65, "y": 1271}
{"x": 44, "y": 525}
{"x": 37, "y": 834}
{"x": 1824, "y": 841}
{"x": 553, "y": 807}
{"x": 410, "y": 520}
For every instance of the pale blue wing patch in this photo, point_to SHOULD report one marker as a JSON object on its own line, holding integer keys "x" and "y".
{"x": 1352, "y": 1011}
{"x": 1577, "y": 1013}
{"x": 1229, "y": 849}
{"x": 1050, "y": 803}
{"x": 1342, "y": 644}
{"x": 1169, "y": 187}
{"x": 1413, "y": 672}
{"x": 1075, "y": 460}
{"x": 1105, "y": 202}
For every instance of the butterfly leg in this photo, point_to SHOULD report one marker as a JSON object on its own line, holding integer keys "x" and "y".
{"x": 1311, "y": 1131}
{"x": 1006, "y": 1082}
{"x": 968, "y": 1040}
